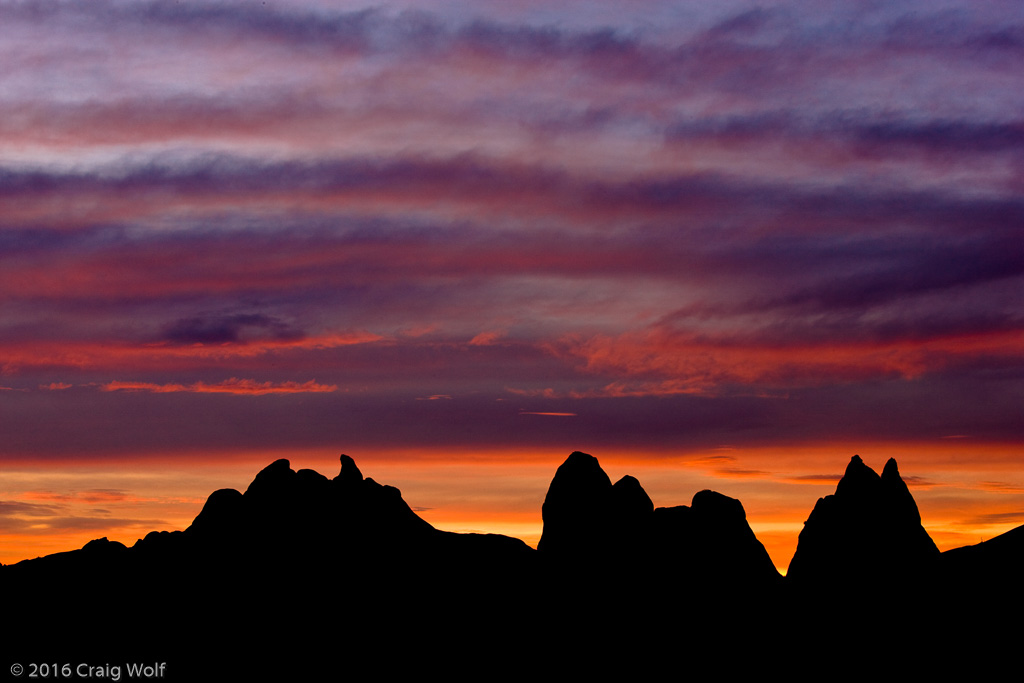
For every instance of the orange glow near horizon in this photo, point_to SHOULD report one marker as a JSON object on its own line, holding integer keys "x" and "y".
{"x": 965, "y": 493}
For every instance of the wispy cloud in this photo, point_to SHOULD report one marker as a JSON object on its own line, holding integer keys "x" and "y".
{"x": 231, "y": 386}
{"x": 22, "y": 518}
{"x": 684, "y": 226}
{"x": 550, "y": 414}
{"x": 995, "y": 518}
{"x": 1001, "y": 487}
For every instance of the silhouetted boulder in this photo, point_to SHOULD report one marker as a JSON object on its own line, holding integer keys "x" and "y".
{"x": 629, "y": 518}
{"x": 220, "y": 515}
{"x": 102, "y": 547}
{"x": 710, "y": 543}
{"x": 308, "y": 480}
{"x": 726, "y": 543}
{"x": 272, "y": 480}
{"x": 630, "y": 501}
{"x": 577, "y": 509}
{"x": 868, "y": 533}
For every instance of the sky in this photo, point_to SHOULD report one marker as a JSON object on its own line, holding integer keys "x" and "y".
{"x": 717, "y": 245}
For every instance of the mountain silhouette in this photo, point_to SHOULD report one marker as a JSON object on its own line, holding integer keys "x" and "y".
{"x": 293, "y": 564}
{"x": 590, "y": 521}
{"x": 869, "y": 531}
{"x": 287, "y": 518}
{"x": 301, "y": 576}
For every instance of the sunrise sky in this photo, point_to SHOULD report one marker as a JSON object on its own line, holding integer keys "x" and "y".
{"x": 717, "y": 245}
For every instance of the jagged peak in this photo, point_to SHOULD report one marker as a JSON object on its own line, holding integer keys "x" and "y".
{"x": 871, "y": 528}
{"x": 891, "y": 470}
{"x": 104, "y": 545}
{"x": 856, "y": 467}
{"x": 858, "y": 479}
{"x": 349, "y": 473}
{"x": 273, "y": 476}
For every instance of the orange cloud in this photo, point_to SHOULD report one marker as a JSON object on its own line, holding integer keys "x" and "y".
{"x": 232, "y": 386}
{"x": 525, "y": 412}
{"x": 90, "y": 496}
{"x": 144, "y": 386}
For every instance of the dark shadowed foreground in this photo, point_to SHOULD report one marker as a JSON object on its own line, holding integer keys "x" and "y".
{"x": 304, "y": 576}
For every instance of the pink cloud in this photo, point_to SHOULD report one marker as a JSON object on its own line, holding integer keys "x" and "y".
{"x": 486, "y": 338}
{"x": 109, "y": 354}
{"x": 663, "y": 362}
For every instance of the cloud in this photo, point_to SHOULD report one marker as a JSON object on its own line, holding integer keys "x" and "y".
{"x": 1001, "y": 487}
{"x": 994, "y": 518}
{"x": 665, "y": 361}
{"x": 815, "y": 479}
{"x": 92, "y": 354}
{"x": 486, "y": 338}
{"x": 713, "y": 460}
{"x": 920, "y": 482}
{"x": 547, "y": 392}
{"x": 858, "y": 132}
{"x": 723, "y": 206}
{"x": 204, "y": 20}
{"x": 738, "y": 473}
{"x": 549, "y": 414}
{"x": 90, "y": 496}
{"x": 232, "y": 386}
{"x": 230, "y": 329}
{"x": 17, "y": 508}
{"x": 144, "y": 386}
{"x": 18, "y": 517}
{"x": 56, "y": 525}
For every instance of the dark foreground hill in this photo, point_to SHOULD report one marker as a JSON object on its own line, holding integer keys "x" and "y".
{"x": 304, "y": 577}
